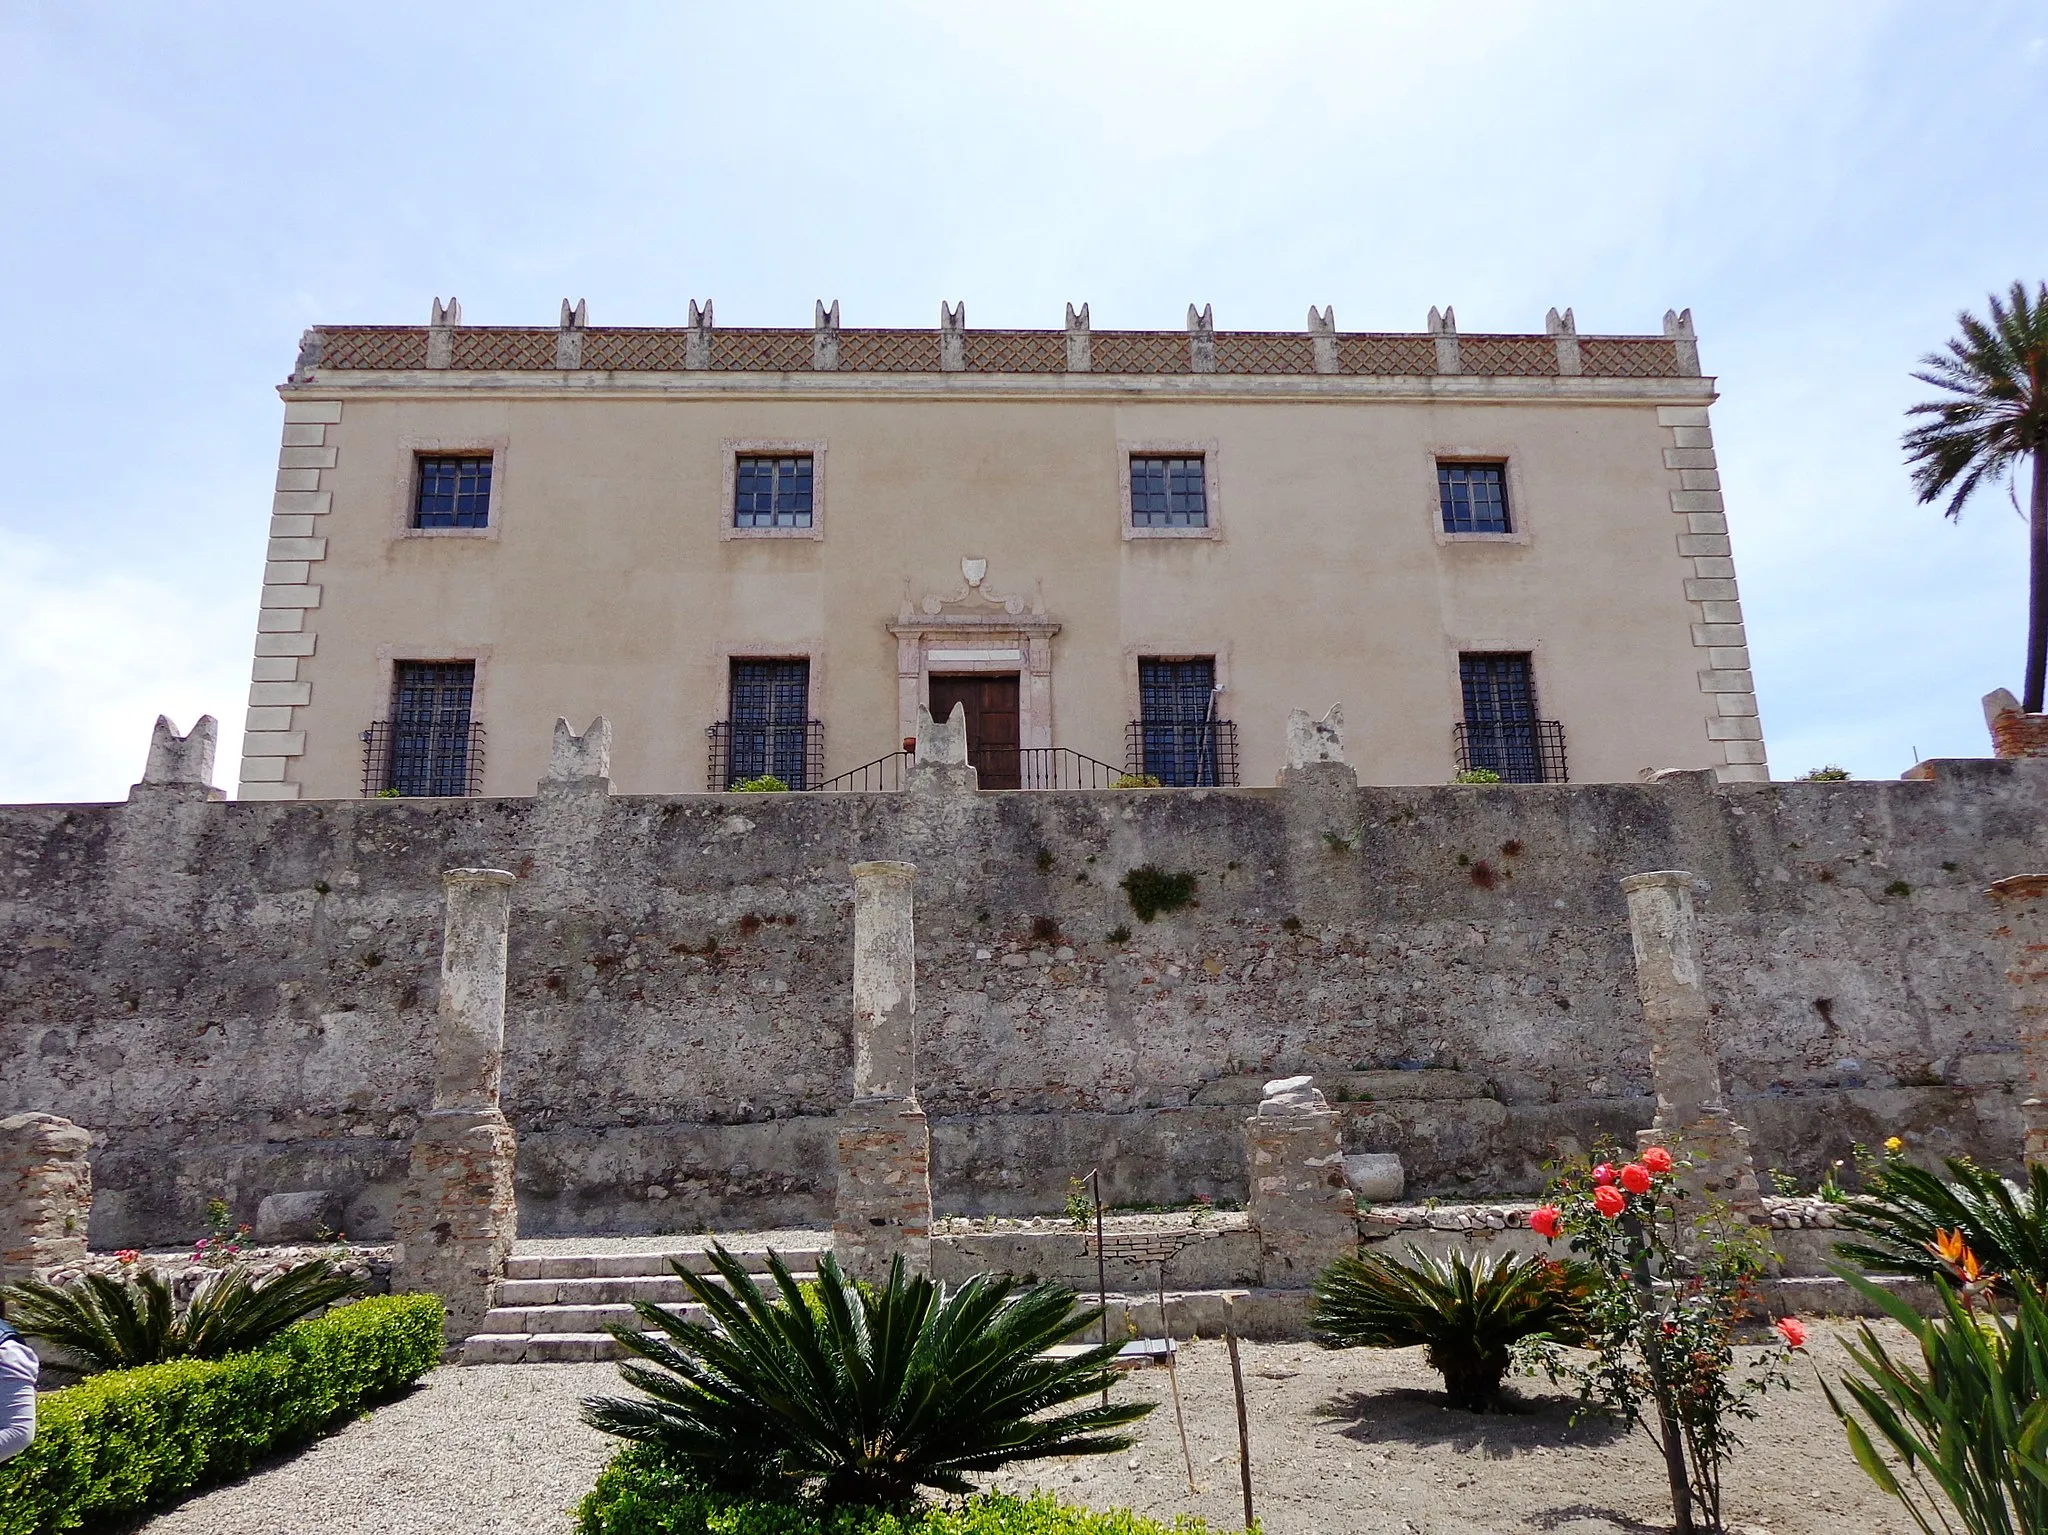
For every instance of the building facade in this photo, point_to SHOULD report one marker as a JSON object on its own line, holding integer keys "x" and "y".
{"x": 760, "y": 552}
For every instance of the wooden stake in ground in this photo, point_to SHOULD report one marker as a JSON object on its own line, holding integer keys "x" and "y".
{"x": 1173, "y": 1382}
{"x": 1244, "y": 1434}
{"x": 1101, "y": 1265}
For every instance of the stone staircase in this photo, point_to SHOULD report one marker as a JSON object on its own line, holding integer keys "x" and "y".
{"x": 554, "y": 1307}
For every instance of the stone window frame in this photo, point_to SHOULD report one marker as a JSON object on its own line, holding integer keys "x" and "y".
{"x": 405, "y": 479}
{"x": 1206, "y": 448}
{"x": 1511, "y": 480}
{"x": 733, "y": 449}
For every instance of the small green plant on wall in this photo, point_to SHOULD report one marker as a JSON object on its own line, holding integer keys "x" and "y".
{"x": 1476, "y": 775}
{"x": 1828, "y": 774}
{"x": 1136, "y": 781}
{"x": 1153, "y": 890}
{"x": 767, "y": 783}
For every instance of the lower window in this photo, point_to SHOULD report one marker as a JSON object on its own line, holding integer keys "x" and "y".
{"x": 768, "y": 729}
{"x": 432, "y": 746}
{"x": 1180, "y": 741}
{"x": 1501, "y": 733}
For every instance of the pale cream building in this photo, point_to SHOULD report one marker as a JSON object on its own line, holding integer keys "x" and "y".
{"x": 761, "y": 551}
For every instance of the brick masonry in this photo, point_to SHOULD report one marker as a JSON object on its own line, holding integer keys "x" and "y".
{"x": 286, "y": 624}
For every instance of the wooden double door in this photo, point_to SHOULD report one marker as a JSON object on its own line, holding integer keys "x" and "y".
{"x": 994, "y": 735}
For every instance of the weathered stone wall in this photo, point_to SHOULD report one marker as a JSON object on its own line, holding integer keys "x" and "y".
{"x": 239, "y": 999}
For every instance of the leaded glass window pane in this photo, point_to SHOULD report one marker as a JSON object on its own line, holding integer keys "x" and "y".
{"x": 1473, "y": 498}
{"x": 1168, "y": 493}
{"x": 772, "y": 492}
{"x": 453, "y": 493}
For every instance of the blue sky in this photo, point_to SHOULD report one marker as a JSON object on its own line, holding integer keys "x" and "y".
{"x": 188, "y": 187}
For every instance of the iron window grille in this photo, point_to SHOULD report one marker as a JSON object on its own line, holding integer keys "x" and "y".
{"x": 453, "y": 493}
{"x": 1501, "y": 731}
{"x": 1473, "y": 498}
{"x": 772, "y": 492}
{"x": 1177, "y": 737}
{"x": 742, "y": 750}
{"x": 1169, "y": 493}
{"x": 768, "y": 732}
{"x": 429, "y": 746}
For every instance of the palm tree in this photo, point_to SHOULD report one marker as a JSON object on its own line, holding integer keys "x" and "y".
{"x": 1996, "y": 376}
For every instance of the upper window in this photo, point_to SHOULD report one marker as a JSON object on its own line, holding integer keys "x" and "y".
{"x": 453, "y": 493}
{"x": 772, "y": 492}
{"x": 1474, "y": 498}
{"x": 1168, "y": 493}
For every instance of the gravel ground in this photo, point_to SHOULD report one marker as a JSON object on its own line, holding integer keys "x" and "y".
{"x": 1341, "y": 1442}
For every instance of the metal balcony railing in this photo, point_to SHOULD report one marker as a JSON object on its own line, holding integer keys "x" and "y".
{"x": 1201, "y": 754}
{"x": 882, "y": 774}
{"x": 1038, "y": 767}
{"x": 740, "y": 751}
{"x": 1521, "y": 751}
{"x": 423, "y": 758}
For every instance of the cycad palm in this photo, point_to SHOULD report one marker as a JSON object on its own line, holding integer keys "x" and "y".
{"x": 1995, "y": 375}
{"x": 861, "y": 1394}
{"x": 116, "y": 1324}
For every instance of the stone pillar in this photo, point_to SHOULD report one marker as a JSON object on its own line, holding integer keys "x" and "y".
{"x": 1326, "y": 862}
{"x": 1302, "y": 1208}
{"x": 885, "y": 1185}
{"x": 45, "y": 1195}
{"x": 1691, "y": 1119}
{"x": 457, "y": 1218}
{"x": 2023, "y": 925}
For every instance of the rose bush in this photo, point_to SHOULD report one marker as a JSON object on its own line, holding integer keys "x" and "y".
{"x": 1678, "y": 1274}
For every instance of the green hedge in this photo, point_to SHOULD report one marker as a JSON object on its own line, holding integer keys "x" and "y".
{"x": 129, "y": 1439}
{"x": 640, "y": 1494}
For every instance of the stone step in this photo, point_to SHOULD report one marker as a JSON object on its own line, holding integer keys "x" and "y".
{"x": 539, "y": 1348}
{"x": 603, "y": 1265}
{"x": 573, "y": 1319}
{"x": 607, "y": 1290}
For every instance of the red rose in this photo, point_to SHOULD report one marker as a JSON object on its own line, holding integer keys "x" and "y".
{"x": 1603, "y": 1175}
{"x": 1790, "y": 1330}
{"x": 1657, "y": 1159}
{"x": 1546, "y": 1221}
{"x": 1636, "y": 1178}
{"x": 1609, "y": 1201}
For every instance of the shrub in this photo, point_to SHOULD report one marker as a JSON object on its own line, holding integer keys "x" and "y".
{"x": 1904, "y": 1210}
{"x": 1676, "y": 1272}
{"x": 1828, "y": 774}
{"x": 1136, "y": 781}
{"x": 1476, "y": 775}
{"x": 131, "y": 1439}
{"x": 767, "y": 783}
{"x": 1153, "y": 890}
{"x": 1467, "y": 1315}
{"x": 1973, "y": 1424}
{"x": 117, "y": 1324}
{"x": 643, "y": 1493}
{"x": 860, "y": 1394}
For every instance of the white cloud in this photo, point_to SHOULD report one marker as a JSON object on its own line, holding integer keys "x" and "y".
{"x": 90, "y": 656}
